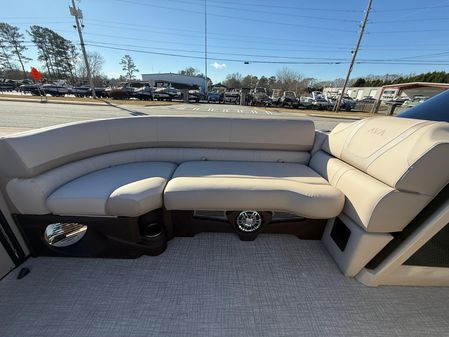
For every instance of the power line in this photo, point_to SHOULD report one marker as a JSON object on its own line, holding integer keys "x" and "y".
{"x": 240, "y": 18}
{"x": 408, "y": 20}
{"x": 202, "y": 57}
{"x": 221, "y": 46}
{"x": 118, "y": 24}
{"x": 219, "y": 53}
{"x": 270, "y": 61}
{"x": 408, "y": 31}
{"x": 318, "y": 9}
{"x": 409, "y": 8}
{"x": 198, "y": 36}
{"x": 254, "y": 10}
{"x": 198, "y": 51}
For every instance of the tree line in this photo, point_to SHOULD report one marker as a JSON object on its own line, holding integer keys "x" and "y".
{"x": 379, "y": 81}
{"x": 60, "y": 58}
{"x": 285, "y": 79}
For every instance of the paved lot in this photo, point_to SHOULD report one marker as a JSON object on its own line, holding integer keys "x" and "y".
{"x": 22, "y": 116}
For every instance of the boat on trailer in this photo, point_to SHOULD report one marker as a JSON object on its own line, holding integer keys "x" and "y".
{"x": 219, "y": 226}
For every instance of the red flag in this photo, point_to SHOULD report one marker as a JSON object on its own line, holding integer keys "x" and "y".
{"x": 36, "y": 74}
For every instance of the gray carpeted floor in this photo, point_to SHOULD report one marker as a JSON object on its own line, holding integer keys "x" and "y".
{"x": 214, "y": 285}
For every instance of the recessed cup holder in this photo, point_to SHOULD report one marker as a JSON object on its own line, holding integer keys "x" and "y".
{"x": 152, "y": 230}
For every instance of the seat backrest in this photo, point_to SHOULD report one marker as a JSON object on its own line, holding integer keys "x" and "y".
{"x": 28, "y": 195}
{"x": 389, "y": 168}
{"x": 31, "y": 153}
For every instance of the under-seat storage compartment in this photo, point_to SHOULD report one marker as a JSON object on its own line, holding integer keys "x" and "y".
{"x": 350, "y": 245}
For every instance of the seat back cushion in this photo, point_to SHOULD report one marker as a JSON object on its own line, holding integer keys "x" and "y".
{"x": 28, "y": 154}
{"x": 407, "y": 154}
{"x": 388, "y": 168}
{"x": 29, "y": 195}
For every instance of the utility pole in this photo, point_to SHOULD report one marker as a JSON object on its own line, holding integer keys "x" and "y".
{"x": 205, "y": 48}
{"x": 354, "y": 55}
{"x": 76, "y": 12}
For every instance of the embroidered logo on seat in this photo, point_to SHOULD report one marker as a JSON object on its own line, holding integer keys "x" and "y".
{"x": 377, "y": 131}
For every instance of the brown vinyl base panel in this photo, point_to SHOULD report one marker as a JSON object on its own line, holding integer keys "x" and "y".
{"x": 127, "y": 237}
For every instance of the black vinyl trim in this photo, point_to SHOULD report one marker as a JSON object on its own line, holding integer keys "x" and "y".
{"x": 340, "y": 233}
{"x": 9, "y": 242}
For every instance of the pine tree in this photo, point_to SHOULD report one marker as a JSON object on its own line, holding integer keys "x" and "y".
{"x": 128, "y": 67}
{"x": 11, "y": 36}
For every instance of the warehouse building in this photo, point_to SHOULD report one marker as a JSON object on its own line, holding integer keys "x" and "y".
{"x": 355, "y": 92}
{"x": 412, "y": 89}
{"x": 392, "y": 91}
{"x": 178, "y": 81}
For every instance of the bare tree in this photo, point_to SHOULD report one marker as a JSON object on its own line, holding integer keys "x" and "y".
{"x": 288, "y": 79}
{"x": 96, "y": 62}
{"x": 189, "y": 71}
{"x": 250, "y": 81}
{"x": 233, "y": 81}
{"x": 338, "y": 82}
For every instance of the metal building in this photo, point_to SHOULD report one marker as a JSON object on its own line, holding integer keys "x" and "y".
{"x": 177, "y": 80}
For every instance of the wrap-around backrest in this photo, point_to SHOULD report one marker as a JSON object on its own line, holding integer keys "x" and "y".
{"x": 35, "y": 152}
{"x": 389, "y": 168}
{"x": 34, "y": 164}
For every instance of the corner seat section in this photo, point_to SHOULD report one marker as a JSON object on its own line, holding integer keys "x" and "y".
{"x": 123, "y": 190}
{"x": 227, "y": 185}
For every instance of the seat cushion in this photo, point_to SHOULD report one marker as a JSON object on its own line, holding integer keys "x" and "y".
{"x": 122, "y": 190}
{"x": 227, "y": 186}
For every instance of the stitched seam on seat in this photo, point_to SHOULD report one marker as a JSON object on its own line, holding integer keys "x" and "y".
{"x": 350, "y": 136}
{"x": 395, "y": 141}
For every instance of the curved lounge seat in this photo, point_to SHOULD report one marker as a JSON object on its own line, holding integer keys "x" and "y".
{"x": 224, "y": 185}
{"x": 124, "y": 190}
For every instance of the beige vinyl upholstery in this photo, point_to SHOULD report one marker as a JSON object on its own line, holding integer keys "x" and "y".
{"x": 388, "y": 168}
{"x": 35, "y": 152}
{"x": 125, "y": 190}
{"x": 29, "y": 195}
{"x": 368, "y": 170}
{"x": 51, "y": 170}
{"x": 212, "y": 185}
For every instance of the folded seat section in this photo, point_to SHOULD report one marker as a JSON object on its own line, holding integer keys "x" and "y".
{"x": 123, "y": 190}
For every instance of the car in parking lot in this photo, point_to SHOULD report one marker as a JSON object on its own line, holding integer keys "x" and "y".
{"x": 196, "y": 95}
{"x": 232, "y": 96}
{"x": 259, "y": 96}
{"x": 366, "y": 99}
{"x": 288, "y": 99}
{"x": 215, "y": 97}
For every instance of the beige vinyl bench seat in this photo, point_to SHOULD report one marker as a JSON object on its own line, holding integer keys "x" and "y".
{"x": 230, "y": 185}
{"x": 123, "y": 190}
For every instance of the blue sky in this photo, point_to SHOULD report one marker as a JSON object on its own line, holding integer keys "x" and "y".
{"x": 404, "y": 32}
